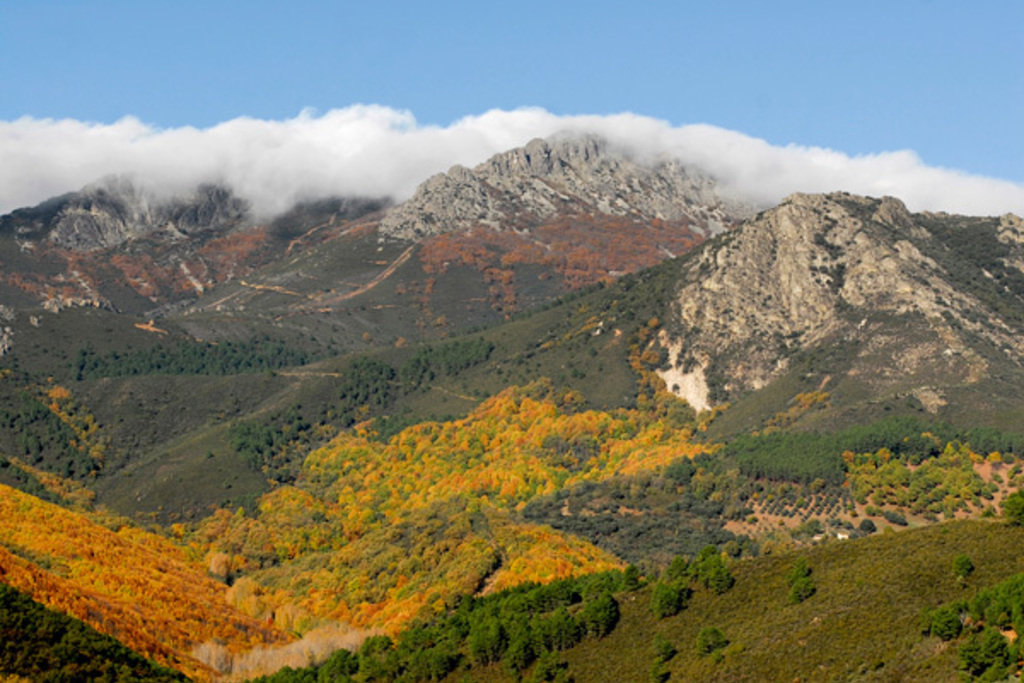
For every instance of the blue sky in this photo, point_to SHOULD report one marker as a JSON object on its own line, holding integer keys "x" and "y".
{"x": 944, "y": 79}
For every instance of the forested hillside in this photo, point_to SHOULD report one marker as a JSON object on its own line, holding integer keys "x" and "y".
{"x": 136, "y": 586}
{"x": 45, "y": 645}
{"x": 841, "y": 610}
{"x": 359, "y": 477}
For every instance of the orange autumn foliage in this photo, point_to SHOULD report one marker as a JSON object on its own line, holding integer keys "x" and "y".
{"x": 377, "y": 534}
{"x": 130, "y": 584}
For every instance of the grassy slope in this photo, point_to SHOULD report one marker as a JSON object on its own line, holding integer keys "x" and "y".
{"x": 862, "y": 624}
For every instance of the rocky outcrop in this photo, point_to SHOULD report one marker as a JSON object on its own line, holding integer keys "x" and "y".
{"x": 823, "y": 269}
{"x": 578, "y": 175}
{"x": 7, "y": 315}
{"x": 115, "y": 211}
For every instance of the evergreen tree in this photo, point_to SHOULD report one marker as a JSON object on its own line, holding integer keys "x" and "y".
{"x": 668, "y": 599}
{"x": 962, "y": 566}
{"x": 487, "y": 640}
{"x": 600, "y": 615}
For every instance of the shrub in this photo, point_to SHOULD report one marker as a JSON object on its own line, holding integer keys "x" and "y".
{"x": 551, "y": 669}
{"x": 1013, "y": 509}
{"x": 520, "y": 653}
{"x": 801, "y": 589}
{"x": 962, "y": 566}
{"x": 562, "y": 630}
{"x": 709, "y": 640}
{"x": 799, "y": 571}
{"x": 894, "y": 518}
{"x": 710, "y": 569}
{"x": 945, "y": 622}
{"x": 658, "y": 674}
{"x": 631, "y": 578}
{"x": 677, "y": 569}
{"x": 719, "y": 579}
{"x": 487, "y": 641}
{"x": 867, "y": 526}
{"x": 340, "y": 664}
{"x": 801, "y": 586}
{"x": 987, "y": 655}
{"x": 664, "y": 650}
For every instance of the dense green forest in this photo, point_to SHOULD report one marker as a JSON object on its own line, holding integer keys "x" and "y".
{"x": 32, "y": 431}
{"x": 981, "y": 624}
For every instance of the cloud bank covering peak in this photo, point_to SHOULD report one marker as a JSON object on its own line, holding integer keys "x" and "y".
{"x": 376, "y": 151}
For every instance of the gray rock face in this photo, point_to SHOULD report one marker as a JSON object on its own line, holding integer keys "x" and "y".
{"x": 577, "y": 175}
{"x": 7, "y": 315}
{"x": 114, "y": 211}
{"x": 823, "y": 268}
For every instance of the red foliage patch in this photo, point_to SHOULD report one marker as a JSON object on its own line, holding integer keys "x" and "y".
{"x": 581, "y": 249}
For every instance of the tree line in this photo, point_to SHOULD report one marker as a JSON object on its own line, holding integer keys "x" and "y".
{"x": 185, "y": 357}
{"x": 806, "y": 456}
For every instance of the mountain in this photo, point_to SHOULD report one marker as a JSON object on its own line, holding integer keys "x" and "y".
{"x": 529, "y": 186}
{"x": 469, "y": 248}
{"x": 857, "y": 297}
{"x": 393, "y": 416}
{"x": 122, "y": 311}
{"x": 824, "y": 312}
{"x": 472, "y": 247}
{"x": 127, "y": 248}
{"x": 114, "y": 211}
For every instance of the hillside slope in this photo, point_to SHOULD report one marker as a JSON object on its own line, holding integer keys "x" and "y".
{"x": 863, "y": 622}
{"x": 129, "y": 584}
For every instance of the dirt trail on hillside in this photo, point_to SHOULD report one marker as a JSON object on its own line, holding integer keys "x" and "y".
{"x": 380, "y": 277}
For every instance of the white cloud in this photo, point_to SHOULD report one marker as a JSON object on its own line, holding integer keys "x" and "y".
{"x": 375, "y": 151}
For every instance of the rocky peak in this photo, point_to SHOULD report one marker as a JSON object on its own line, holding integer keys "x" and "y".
{"x": 820, "y": 267}
{"x": 115, "y": 210}
{"x": 541, "y": 158}
{"x": 569, "y": 175}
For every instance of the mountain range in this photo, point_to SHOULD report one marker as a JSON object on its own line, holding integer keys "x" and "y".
{"x": 565, "y": 362}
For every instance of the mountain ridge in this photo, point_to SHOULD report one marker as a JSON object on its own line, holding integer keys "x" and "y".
{"x": 115, "y": 210}
{"x": 533, "y": 222}
{"x": 529, "y": 184}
